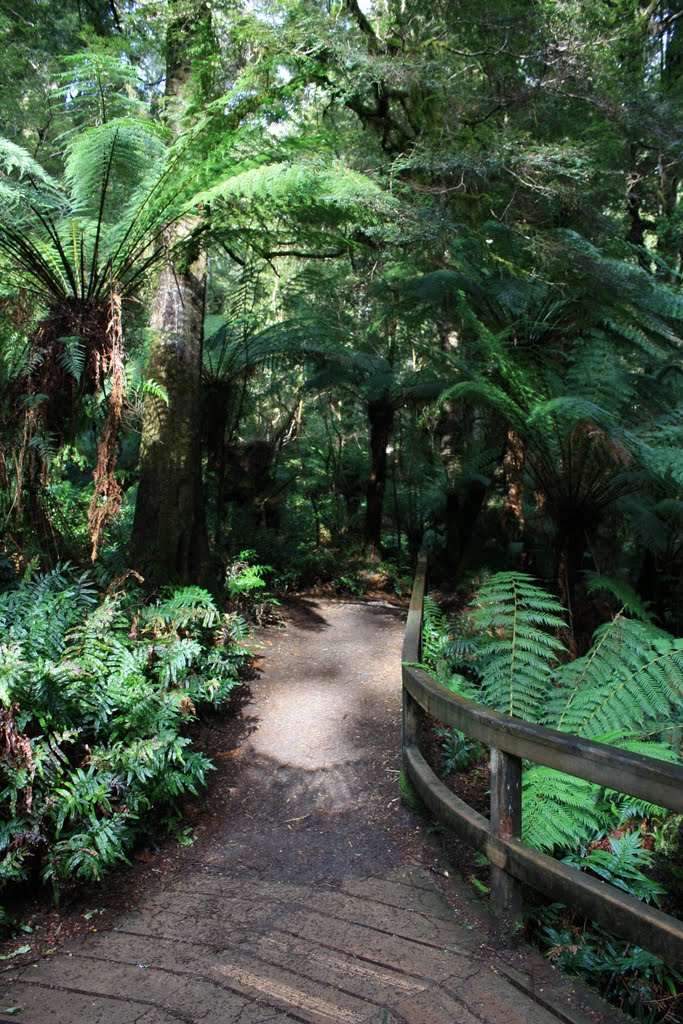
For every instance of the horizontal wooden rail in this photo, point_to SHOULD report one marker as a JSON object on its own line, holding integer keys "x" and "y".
{"x": 512, "y": 860}
{"x": 647, "y": 778}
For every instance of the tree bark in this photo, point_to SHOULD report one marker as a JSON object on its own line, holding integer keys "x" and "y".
{"x": 169, "y": 530}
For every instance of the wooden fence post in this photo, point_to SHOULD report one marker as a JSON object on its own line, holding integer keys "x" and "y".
{"x": 409, "y": 723}
{"x": 412, "y": 653}
{"x": 506, "y": 822}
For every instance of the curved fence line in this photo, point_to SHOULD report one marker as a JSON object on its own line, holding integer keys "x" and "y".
{"x": 511, "y": 740}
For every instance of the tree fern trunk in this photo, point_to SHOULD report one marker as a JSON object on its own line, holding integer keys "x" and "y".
{"x": 381, "y": 420}
{"x": 464, "y": 501}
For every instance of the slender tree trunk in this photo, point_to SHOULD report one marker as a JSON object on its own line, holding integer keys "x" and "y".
{"x": 462, "y": 515}
{"x": 381, "y": 420}
{"x": 220, "y": 497}
{"x": 670, "y": 165}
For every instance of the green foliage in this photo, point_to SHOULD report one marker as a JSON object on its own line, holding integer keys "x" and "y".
{"x": 411, "y": 797}
{"x": 622, "y": 865}
{"x": 594, "y": 953}
{"x": 627, "y": 690}
{"x": 246, "y": 587}
{"x": 629, "y": 685}
{"x": 95, "y": 695}
{"x": 22, "y": 179}
{"x": 458, "y": 752}
{"x": 444, "y": 647}
{"x": 559, "y": 811}
{"x": 644, "y": 981}
{"x": 516, "y": 650}
{"x": 435, "y": 632}
{"x": 331, "y": 192}
{"x": 351, "y": 583}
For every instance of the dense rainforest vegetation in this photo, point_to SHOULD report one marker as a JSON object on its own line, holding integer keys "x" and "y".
{"x": 305, "y": 284}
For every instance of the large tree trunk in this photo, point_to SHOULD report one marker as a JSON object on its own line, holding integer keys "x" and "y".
{"x": 169, "y": 531}
{"x": 381, "y": 420}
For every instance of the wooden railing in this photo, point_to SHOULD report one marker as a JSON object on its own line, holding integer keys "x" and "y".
{"x": 512, "y": 861}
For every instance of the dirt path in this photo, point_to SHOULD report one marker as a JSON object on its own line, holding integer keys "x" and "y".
{"x": 314, "y": 898}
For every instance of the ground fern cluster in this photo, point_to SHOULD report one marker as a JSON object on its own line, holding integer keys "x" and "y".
{"x": 96, "y": 694}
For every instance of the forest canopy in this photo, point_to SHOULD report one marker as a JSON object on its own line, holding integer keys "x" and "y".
{"x": 379, "y": 274}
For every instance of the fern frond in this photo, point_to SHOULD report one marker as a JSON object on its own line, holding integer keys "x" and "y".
{"x": 624, "y": 594}
{"x": 183, "y": 606}
{"x": 517, "y": 654}
{"x": 623, "y": 866}
{"x": 72, "y": 357}
{"x": 435, "y": 631}
{"x": 111, "y": 158}
{"x": 631, "y": 680}
{"x": 150, "y": 387}
{"x": 174, "y": 658}
{"x": 486, "y": 394}
{"x": 559, "y": 811}
{"x": 302, "y": 187}
{"x": 23, "y": 182}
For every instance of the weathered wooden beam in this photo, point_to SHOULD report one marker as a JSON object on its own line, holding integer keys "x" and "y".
{"x": 409, "y": 722}
{"x": 506, "y": 823}
{"x": 412, "y": 652}
{"x": 412, "y": 635}
{"x": 644, "y": 777}
{"x": 620, "y": 913}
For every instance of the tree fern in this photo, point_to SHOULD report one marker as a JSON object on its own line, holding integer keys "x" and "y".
{"x": 290, "y": 187}
{"x": 110, "y": 160}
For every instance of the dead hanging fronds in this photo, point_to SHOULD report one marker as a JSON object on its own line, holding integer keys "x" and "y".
{"x": 513, "y": 463}
{"x": 15, "y": 751}
{"x": 596, "y": 443}
{"x": 108, "y": 496}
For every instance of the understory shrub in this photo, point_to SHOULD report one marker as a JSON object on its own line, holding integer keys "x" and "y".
{"x": 247, "y": 591}
{"x": 504, "y": 651}
{"x": 95, "y": 696}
